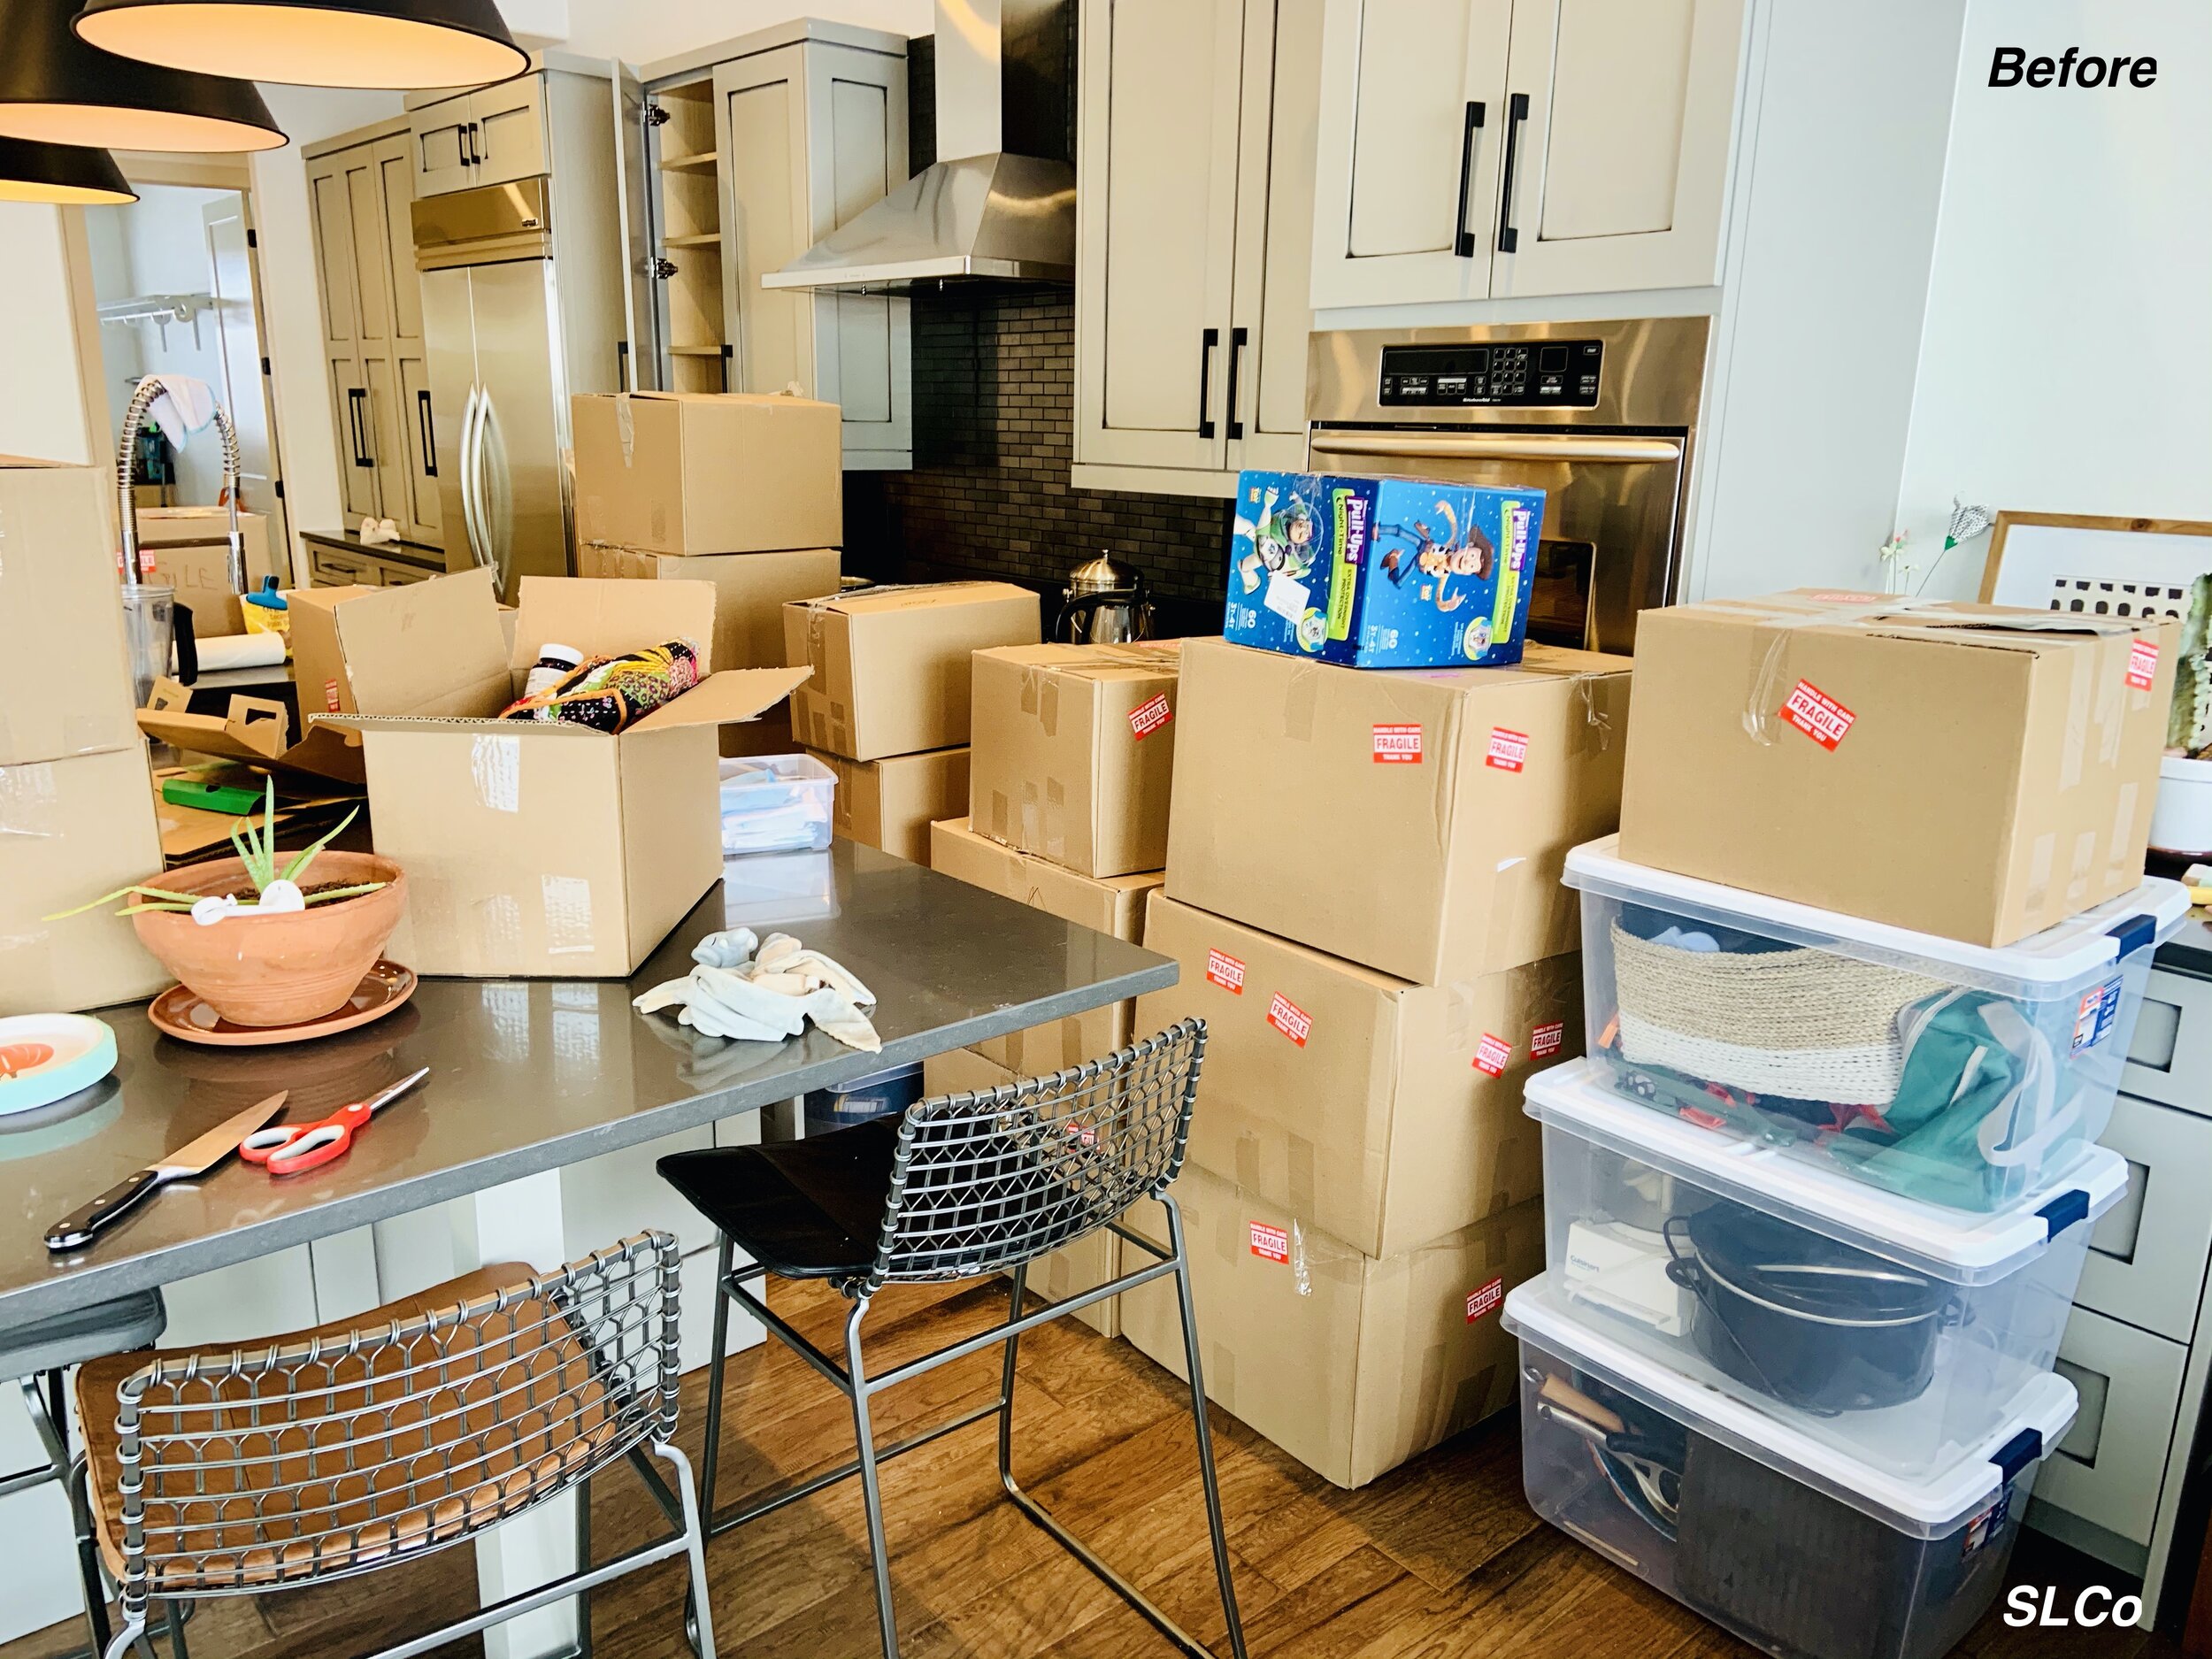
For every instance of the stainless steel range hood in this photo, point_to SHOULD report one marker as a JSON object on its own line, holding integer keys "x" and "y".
{"x": 999, "y": 202}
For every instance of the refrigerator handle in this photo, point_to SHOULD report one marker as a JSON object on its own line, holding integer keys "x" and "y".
{"x": 467, "y": 456}
{"x": 491, "y": 512}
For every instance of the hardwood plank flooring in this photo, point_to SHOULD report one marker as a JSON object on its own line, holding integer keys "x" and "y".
{"x": 1439, "y": 1560}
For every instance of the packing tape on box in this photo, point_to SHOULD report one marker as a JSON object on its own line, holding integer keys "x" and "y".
{"x": 1040, "y": 697}
{"x": 567, "y": 903}
{"x": 2077, "y": 894}
{"x": 495, "y": 769}
{"x": 1299, "y": 699}
{"x": 2042, "y": 856}
{"x": 1221, "y": 1377}
{"x": 2120, "y": 856}
{"x": 1594, "y": 734}
{"x": 29, "y": 801}
{"x": 1431, "y": 1410}
{"x": 1002, "y": 820}
{"x": 625, "y": 427}
{"x": 1476, "y": 1397}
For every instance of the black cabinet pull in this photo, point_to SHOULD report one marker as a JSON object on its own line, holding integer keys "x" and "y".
{"x": 429, "y": 433}
{"x": 728, "y": 351}
{"x": 621, "y": 366}
{"x": 475, "y": 157}
{"x": 1237, "y": 339}
{"x": 1207, "y": 342}
{"x": 1463, "y": 238}
{"x": 356, "y": 407}
{"x": 1516, "y": 112}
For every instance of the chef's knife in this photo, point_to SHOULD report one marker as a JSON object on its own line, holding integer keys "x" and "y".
{"x": 194, "y": 1157}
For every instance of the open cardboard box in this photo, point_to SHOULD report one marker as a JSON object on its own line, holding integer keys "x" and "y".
{"x": 533, "y": 848}
{"x": 252, "y": 731}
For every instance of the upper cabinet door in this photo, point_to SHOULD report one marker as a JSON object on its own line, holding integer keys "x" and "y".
{"x": 1156, "y": 229}
{"x": 1412, "y": 123}
{"x": 509, "y": 138}
{"x": 409, "y": 474}
{"x": 441, "y": 155}
{"x": 1620, "y": 167}
{"x": 331, "y": 182}
{"x": 761, "y": 139}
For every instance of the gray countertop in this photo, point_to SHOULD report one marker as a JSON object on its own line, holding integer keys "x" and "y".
{"x": 2189, "y": 950}
{"x": 526, "y": 1075}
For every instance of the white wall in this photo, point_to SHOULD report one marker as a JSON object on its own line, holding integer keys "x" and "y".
{"x": 638, "y": 34}
{"x": 41, "y": 388}
{"x": 2064, "y": 359}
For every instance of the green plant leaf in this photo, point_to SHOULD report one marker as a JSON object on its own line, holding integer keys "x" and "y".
{"x": 344, "y": 892}
{"x": 139, "y": 909}
{"x": 306, "y": 855}
{"x": 244, "y": 844}
{"x": 180, "y": 900}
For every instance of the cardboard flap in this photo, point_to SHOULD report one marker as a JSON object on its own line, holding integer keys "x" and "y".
{"x": 736, "y": 694}
{"x": 913, "y": 596}
{"x": 605, "y": 617}
{"x": 483, "y": 726}
{"x": 1143, "y": 660}
{"x": 253, "y": 728}
{"x": 433, "y": 648}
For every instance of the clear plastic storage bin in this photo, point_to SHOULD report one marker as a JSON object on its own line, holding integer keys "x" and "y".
{"x": 776, "y": 804}
{"x": 1953, "y": 1073}
{"x": 1777, "y": 1538}
{"x": 1901, "y": 1333}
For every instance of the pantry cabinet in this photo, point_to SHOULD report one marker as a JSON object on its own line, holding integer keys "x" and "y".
{"x": 1493, "y": 148}
{"x": 360, "y": 191}
{"x": 492, "y": 135}
{"x": 1195, "y": 168}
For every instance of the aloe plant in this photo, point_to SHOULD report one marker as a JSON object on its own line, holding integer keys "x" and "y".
{"x": 257, "y": 851}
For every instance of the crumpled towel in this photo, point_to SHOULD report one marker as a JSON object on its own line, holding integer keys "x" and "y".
{"x": 184, "y": 405}
{"x": 766, "y": 991}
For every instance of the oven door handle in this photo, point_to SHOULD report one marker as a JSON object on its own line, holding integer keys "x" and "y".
{"x": 1523, "y": 446}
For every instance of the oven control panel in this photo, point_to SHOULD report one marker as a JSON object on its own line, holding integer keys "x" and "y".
{"x": 1518, "y": 375}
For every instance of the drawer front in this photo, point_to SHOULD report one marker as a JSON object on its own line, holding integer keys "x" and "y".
{"x": 2169, "y": 1058}
{"x": 2110, "y": 1466}
{"x": 2147, "y": 1255}
{"x": 400, "y": 575}
{"x": 331, "y": 568}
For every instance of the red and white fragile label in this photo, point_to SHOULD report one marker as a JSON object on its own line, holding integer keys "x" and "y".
{"x": 1491, "y": 1053}
{"x": 330, "y": 696}
{"x": 1816, "y": 714}
{"x": 1147, "y": 717}
{"x": 1545, "y": 1038}
{"x": 1271, "y": 1242}
{"x": 2142, "y": 662}
{"x": 1288, "y": 1017}
{"x": 1226, "y": 971}
{"x": 1397, "y": 745}
{"x": 1508, "y": 749}
{"x": 1485, "y": 1299}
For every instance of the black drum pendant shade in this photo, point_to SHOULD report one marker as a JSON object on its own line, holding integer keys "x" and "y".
{"x": 56, "y": 89}
{"x": 67, "y": 176}
{"x": 402, "y": 45}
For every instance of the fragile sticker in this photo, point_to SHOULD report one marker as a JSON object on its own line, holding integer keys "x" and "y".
{"x": 1397, "y": 745}
{"x": 1545, "y": 1038}
{"x": 2142, "y": 662}
{"x": 1288, "y": 1017}
{"x": 1816, "y": 714}
{"x": 1270, "y": 1242}
{"x": 1508, "y": 749}
{"x": 1226, "y": 971}
{"x": 1485, "y": 1300}
{"x": 1147, "y": 717}
{"x": 1491, "y": 1053}
{"x": 330, "y": 696}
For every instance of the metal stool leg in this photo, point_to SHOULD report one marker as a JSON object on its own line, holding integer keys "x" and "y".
{"x": 1006, "y": 1391}
{"x": 1214, "y": 1524}
{"x": 871, "y": 1494}
{"x": 711, "y": 1460}
{"x": 698, "y": 1627}
{"x": 583, "y": 1565}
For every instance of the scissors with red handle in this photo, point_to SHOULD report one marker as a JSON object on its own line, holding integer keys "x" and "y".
{"x": 294, "y": 1148}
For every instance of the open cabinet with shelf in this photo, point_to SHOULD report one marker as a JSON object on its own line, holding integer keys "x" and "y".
{"x": 686, "y": 258}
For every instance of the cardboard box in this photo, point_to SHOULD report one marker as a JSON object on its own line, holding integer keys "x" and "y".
{"x": 1382, "y": 572}
{"x": 1968, "y": 770}
{"x": 189, "y": 549}
{"x": 1416, "y": 823}
{"x": 1074, "y": 752}
{"x": 890, "y": 664}
{"x": 65, "y": 673}
{"x": 1090, "y": 1261}
{"x": 318, "y": 657}
{"x": 534, "y": 848}
{"x": 72, "y": 830}
{"x": 751, "y": 590}
{"x": 890, "y": 803}
{"x": 1383, "y": 1113}
{"x": 704, "y": 473}
{"x": 1350, "y": 1364}
{"x": 1113, "y": 904}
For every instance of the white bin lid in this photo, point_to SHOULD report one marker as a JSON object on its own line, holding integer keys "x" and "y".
{"x": 1963, "y": 1246}
{"x": 1929, "y": 1506}
{"x": 2066, "y": 958}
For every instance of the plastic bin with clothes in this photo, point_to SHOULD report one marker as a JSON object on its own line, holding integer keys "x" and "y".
{"x": 1899, "y": 1333}
{"x": 1958, "y": 1074}
{"x": 776, "y": 804}
{"x": 1778, "y": 1538}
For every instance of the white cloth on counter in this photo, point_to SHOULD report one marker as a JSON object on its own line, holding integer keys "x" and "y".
{"x": 184, "y": 405}
{"x": 765, "y": 991}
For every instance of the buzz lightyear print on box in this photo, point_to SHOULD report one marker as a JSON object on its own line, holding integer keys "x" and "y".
{"x": 1381, "y": 572}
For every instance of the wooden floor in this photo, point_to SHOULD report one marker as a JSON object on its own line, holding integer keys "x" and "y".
{"x": 1439, "y": 1560}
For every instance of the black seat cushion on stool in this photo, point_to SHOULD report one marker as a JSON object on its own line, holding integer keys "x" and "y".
{"x": 809, "y": 1208}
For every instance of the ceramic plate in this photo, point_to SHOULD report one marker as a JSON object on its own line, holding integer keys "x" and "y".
{"x": 44, "y": 1057}
{"x": 184, "y": 1015}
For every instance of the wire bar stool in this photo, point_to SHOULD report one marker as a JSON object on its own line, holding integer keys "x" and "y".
{"x": 369, "y": 1444}
{"x": 959, "y": 1186}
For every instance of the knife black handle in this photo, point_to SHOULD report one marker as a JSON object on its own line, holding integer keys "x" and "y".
{"x": 73, "y": 1231}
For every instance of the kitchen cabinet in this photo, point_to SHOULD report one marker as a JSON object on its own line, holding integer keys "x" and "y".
{"x": 492, "y": 135}
{"x": 334, "y": 563}
{"x": 1196, "y": 168}
{"x": 1493, "y": 148}
{"x": 359, "y": 193}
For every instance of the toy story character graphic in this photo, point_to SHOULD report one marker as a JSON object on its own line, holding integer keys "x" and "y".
{"x": 1281, "y": 535}
{"x": 1407, "y": 549}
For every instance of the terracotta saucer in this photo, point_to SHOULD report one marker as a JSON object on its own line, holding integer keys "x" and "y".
{"x": 184, "y": 1015}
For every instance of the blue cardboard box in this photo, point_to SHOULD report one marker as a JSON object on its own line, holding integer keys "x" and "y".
{"x": 1387, "y": 572}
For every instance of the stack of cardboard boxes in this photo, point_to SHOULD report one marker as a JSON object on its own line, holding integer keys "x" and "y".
{"x": 1362, "y": 890}
{"x": 76, "y": 801}
{"x": 885, "y": 707}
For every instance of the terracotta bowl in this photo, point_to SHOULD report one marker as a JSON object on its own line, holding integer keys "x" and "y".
{"x": 277, "y": 970}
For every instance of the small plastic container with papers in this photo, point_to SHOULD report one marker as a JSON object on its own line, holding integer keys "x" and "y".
{"x": 776, "y": 804}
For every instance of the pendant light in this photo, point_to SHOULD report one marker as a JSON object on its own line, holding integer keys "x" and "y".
{"x": 67, "y": 176}
{"x": 56, "y": 89}
{"x": 402, "y": 44}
